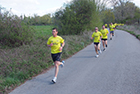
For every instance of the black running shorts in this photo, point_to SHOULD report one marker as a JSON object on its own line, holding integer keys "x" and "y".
{"x": 104, "y": 39}
{"x": 96, "y": 43}
{"x": 56, "y": 57}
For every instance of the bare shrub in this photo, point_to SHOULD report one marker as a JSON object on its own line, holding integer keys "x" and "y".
{"x": 13, "y": 31}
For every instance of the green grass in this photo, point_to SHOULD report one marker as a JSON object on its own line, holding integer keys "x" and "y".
{"x": 42, "y": 31}
{"x": 22, "y": 63}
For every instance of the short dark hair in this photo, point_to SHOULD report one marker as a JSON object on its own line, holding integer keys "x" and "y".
{"x": 54, "y": 28}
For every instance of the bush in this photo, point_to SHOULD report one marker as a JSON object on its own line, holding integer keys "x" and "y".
{"x": 13, "y": 31}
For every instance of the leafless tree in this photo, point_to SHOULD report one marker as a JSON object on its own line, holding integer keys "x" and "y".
{"x": 123, "y": 9}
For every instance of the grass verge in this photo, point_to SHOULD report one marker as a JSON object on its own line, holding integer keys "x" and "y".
{"x": 131, "y": 30}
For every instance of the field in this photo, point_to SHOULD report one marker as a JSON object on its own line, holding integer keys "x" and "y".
{"x": 42, "y": 31}
{"x": 22, "y": 63}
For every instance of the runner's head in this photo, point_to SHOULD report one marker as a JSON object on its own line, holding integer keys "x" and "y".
{"x": 96, "y": 29}
{"x": 54, "y": 32}
{"x": 103, "y": 27}
{"x": 111, "y": 24}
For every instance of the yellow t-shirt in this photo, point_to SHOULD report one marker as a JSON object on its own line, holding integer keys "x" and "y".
{"x": 104, "y": 33}
{"x": 109, "y": 25}
{"x": 112, "y": 27}
{"x": 56, "y": 44}
{"x": 96, "y": 36}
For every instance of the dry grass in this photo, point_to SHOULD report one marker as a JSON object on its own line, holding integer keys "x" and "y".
{"x": 132, "y": 29}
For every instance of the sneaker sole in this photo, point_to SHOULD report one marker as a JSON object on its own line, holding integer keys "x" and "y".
{"x": 53, "y": 81}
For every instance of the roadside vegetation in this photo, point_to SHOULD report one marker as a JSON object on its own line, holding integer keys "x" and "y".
{"x": 23, "y": 50}
{"x": 29, "y": 58}
{"x": 42, "y": 30}
{"x": 22, "y": 63}
{"x": 132, "y": 29}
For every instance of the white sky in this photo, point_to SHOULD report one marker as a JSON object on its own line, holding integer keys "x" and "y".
{"x": 137, "y": 2}
{"x": 30, "y": 7}
{"x": 39, "y": 7}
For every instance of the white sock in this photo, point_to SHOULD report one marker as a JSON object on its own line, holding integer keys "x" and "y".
{"x": 55, "y": 77}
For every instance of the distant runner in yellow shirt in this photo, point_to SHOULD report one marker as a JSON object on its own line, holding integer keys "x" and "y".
{"x": 97, "y": 38}
{"x": 56, "y": 43}
{"x": 104, "y": 32}
{"x": 111, "y": 30}
{"x": 106, "y": 26}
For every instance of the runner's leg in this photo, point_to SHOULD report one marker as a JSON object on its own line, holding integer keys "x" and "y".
{"x": 57, "y": 64}
{"x": 103, "y": 42}
{"x": 111, "y": 36}
{"x": 96, "y": 49}
{"x": 106, "y": 43}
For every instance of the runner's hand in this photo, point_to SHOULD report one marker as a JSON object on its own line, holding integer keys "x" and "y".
{"x": 51, "y": 44}
{"x": 60, "y": 49}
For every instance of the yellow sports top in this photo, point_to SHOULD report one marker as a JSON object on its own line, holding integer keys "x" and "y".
{"x": 96, "y": 36}
{"x": 56, "y": 44}
{"x": 112, "y": 27}
{"x": 104, "y": 33}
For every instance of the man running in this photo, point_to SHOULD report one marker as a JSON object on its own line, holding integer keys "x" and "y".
{"x": 111, "y": 30}
{"x": 56, "y": 43}
{"x": 97, "y": 38}
{"x": 104, "y": 32}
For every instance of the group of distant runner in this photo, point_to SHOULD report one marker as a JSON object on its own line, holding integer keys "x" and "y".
{"x": 57, "y": 43}
{"x": 102, "y": 35}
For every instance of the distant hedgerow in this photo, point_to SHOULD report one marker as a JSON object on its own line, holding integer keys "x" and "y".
{"x": 13, "y": 31}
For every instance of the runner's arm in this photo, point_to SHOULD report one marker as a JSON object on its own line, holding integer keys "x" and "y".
{"x": 60, "y": 49}
{"x": 50, "y": 45}
{"x": 63, "y": 44}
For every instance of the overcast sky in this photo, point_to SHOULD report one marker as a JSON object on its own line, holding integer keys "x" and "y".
{"x": 39, "y": 7}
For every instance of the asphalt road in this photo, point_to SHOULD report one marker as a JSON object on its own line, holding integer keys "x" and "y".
{"x": 115, "y": 71}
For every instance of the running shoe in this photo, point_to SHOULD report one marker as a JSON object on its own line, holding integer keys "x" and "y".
{"x": 97, "y": 55}
{"x": 100, "y": 51}
{"x": 104, "y": 49}
{"x": 54, "y": 80}
{"x": 62, "y": 65}
{"x": 106, "y": 45}
{"x": 110, "y": 38}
